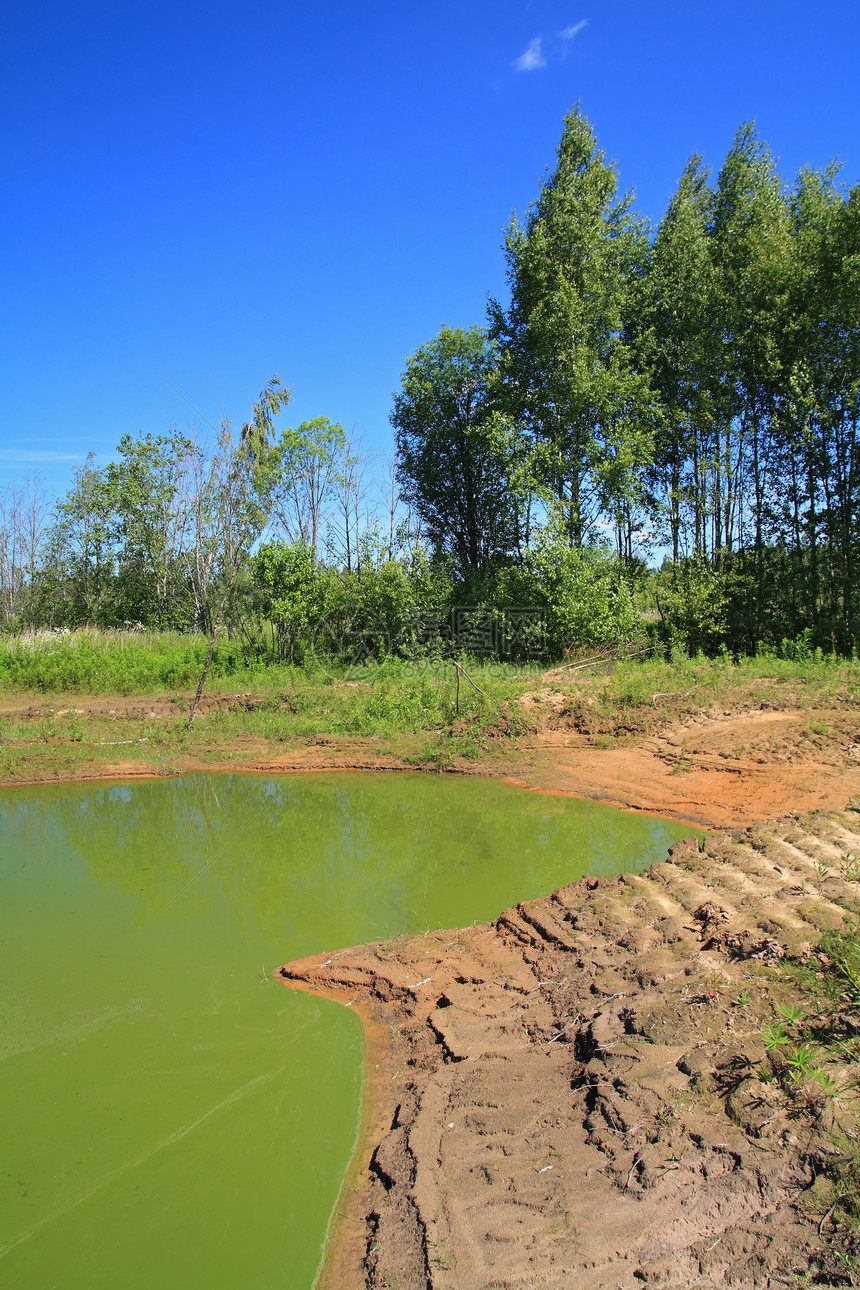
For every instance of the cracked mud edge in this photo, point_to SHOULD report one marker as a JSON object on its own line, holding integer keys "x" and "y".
{"x": 567, "y": 1097}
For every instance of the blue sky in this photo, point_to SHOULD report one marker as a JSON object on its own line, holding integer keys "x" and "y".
{"x": 207, "y": 194}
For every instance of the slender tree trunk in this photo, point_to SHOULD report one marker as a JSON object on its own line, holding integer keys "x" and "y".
{"x": 215, "y": 625}
{"x": 811, "y": 486}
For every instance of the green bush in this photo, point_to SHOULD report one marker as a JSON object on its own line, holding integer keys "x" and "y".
{"x": 693, "y": 606}
{"x": 585, "y": 597}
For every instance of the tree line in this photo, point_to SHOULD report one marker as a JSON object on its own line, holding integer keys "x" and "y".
{"x": 152, "y": 537}
{"x": 690, "y": 392}
{"x": 661, "y": 419}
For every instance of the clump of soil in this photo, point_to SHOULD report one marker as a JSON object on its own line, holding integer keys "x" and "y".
{"x": 578, "y": 1095}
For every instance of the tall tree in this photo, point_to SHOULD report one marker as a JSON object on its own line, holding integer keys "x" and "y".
{"x": 453, "y": 451}
{"x": 240, "y": 493}
{"x": 148, "y": 483}
{"x": 675, "y": 340}
{"x": 84, "y": 541}
{"x": 818, "y": 513}
{"x": 750, "y": 251}
{"x": 569, "y": 371}
{"x": 24, "y": 516}
{"x": 308, "y": 463}
{"x": 841, "y": 268}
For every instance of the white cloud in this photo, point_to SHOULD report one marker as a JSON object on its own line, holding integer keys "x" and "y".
{"x": 532, "y": 59}
{"x": 35, "y": 457}
{"x": 570, "y": 32}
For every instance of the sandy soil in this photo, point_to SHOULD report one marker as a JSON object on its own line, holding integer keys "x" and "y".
{"x": 727, "y": 769}
{"x": 568, "y": 1097}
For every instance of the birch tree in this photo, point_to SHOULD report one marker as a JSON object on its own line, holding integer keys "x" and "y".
{"x": 568, "y": 369}
{"x": 243, "y": 478}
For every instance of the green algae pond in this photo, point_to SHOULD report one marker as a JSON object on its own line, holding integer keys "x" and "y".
{"x": 172, "y": 1116}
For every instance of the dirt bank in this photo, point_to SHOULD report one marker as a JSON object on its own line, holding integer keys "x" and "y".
{"x": 722, "y": 768}
{"x": 726, "y": 769}
{"x": 571, "y": 1096}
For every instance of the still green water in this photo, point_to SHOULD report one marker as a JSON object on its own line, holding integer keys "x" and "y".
{"x": 172, "y": 1117}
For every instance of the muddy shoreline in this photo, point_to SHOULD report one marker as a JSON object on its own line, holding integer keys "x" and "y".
{"x": 720, "y": 768}
{"x": 593, "y": 1052}
{"x": 567, "y": 1096}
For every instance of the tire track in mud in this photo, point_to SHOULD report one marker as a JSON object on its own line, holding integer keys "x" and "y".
{"x": 568, "y": 1095}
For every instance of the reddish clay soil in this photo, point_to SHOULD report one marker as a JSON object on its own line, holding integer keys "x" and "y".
{"x": 728, "y": 769}
{"x": 569, "y": 1097}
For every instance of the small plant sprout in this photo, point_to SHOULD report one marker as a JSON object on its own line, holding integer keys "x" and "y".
{"x": 825, "y": 1081}
{"x": 849, "y": 1263}
{"x": 821, "y": 872}
{"x": 791, "y": 1012}
{"x": 774, "y": 1035}
{"x": 800, "y": 1061}
{"x": 849, "y": 867}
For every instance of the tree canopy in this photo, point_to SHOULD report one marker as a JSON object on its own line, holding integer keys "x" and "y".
{"x": 453, "y": 451}
{"x": 685, "y": 397}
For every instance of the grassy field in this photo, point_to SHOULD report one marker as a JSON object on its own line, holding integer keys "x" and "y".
{"x": 71, "y": 704}
{"x": 94, "y": 662}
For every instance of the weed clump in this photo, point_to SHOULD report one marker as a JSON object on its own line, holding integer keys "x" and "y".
{"x": 816, "y": 1044}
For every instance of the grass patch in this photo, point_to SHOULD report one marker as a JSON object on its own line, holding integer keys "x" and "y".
{"x": 631, "y": 697}
{"x": 254, "y": 707}
{"x": 99, "y": 662}
{"x": 412, "y": 711}
{"x": 813, "y": 1051}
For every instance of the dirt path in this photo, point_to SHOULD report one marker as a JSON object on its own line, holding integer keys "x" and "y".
{"x": 568, "y": 1097}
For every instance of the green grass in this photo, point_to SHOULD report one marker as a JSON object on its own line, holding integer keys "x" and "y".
{"x": 387, "y": 699}
{"x": 115, "y": 662}
{"x": 690, "y": 682}
{"x": 813, "y": 1048}
{"x": 98, "y": 662}
{"x": 629, "y": 697}
{"x": 269, "y": 709}
{"x": 91, "y": 662}
{"x": 413, "y": 706}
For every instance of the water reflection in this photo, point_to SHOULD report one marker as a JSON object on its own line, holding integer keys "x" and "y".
{"x": 319, "y": 859}
{"x": 174, "y": 1119}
